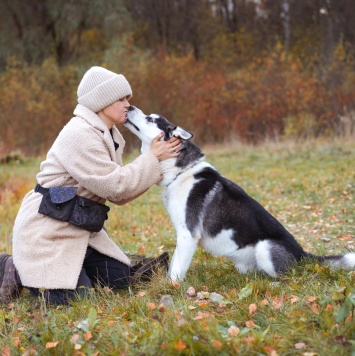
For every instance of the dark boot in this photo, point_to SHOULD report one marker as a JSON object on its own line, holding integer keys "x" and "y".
{"x": 143, "y": 268}
{"x": 10, "y": 287}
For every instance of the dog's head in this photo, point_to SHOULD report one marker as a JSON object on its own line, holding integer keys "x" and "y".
{"x": 148, "y": 127}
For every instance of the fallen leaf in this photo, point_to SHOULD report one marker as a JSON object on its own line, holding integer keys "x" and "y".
{"x": 248, "y": 340}
{"x": 151, "y": 306}
{"x": 180, "y": 345}
{"x": 175, "y": 284}
{"x": 265, "y": 302}
{"x": 203, "y": 304}
{"x": 163, "y": 346}
{"x": 217, "y": 344}
{"x": 141, "y": 294}
{"x": 270, "y": 350}
{"x": 294, "y": 299}
{"x": 6, "y": 351}
{"x": 252, "y": 308}
{"x": 246, "y": 291}
{"x": 201, "y": 315}
{"x": 315, "y": 308}
{"x": 111, "y": 323}
{"x": 87, "y": 336}
{"x": 232, "y": 292}
{"x": 74, "y": 338}
{"x": 250, "y": 324}
{"x": 202, "y": 295}
{"x": 77, "y": 346}
{"x": 300, "y": 345}
{"x": 349, "y": 319}
{"x": 233, "y": 330}
{"x": 277, "y": 303}
{"x": 311, "y": 299}
{"x": 80, "y": 353}
{"x": 17, "y": 341}
{"x": 329, "y": 307}
{"x": 345, "y": 238}
{"x": 50, "y": 345}
{"x": 191, "y": 307}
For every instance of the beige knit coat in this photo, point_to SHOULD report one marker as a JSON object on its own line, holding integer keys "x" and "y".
{"x": 49, "y": 253}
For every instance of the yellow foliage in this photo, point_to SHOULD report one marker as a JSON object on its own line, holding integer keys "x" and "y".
{"x": 219, "y": 99}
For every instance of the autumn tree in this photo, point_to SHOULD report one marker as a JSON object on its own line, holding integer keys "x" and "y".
{"x": 35, "y": 29}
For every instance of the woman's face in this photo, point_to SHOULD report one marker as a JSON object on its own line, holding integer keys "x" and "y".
{"x": 115, "y": 114}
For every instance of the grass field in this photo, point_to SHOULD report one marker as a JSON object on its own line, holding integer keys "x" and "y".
{"x": 309, "y": 187}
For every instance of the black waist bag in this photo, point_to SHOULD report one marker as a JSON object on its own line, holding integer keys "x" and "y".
{"x": 62, "y": 203}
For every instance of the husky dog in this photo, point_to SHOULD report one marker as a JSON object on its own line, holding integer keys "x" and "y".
{"x": 210, "y": 211}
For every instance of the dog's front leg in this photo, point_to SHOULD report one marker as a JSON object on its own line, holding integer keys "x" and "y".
{"x": 185, "y": 249}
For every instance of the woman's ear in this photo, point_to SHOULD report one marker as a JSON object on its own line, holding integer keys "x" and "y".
{"x": 182, "y": 133}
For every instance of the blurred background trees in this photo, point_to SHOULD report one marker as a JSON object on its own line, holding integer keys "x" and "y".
{"x": 226, "y": 69}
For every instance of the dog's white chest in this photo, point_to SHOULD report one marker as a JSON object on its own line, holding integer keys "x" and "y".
{"x": 175, "y": 200}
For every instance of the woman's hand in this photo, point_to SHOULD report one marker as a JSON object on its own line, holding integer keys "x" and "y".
{"x": 165, "y": 149}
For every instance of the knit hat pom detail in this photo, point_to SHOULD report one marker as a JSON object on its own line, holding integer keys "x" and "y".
{"x": 100, "y": 87}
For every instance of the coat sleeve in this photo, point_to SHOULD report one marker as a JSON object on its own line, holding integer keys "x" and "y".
{"x": 86, "y": 158}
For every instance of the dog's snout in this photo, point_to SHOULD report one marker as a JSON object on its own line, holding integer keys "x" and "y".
{"x": 131, "y": 108}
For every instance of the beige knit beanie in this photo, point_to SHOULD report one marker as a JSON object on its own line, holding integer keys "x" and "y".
{"x": 100, "y": 88}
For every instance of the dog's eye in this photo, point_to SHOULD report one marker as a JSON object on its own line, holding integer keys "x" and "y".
{"x": 149, "y": 119}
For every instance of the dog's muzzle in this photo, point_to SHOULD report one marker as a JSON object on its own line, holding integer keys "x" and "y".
{"x": 128, "y": 122}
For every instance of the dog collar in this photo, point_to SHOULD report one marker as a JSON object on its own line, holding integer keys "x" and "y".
{"x": 183, "y": 171}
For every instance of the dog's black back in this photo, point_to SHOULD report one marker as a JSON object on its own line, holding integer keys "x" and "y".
{"x": 232, "y": 208}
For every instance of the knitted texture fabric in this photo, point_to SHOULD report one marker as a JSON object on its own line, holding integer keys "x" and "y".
{"x": 100, "y": 87}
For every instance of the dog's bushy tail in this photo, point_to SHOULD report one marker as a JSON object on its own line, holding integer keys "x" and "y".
{"x": 346, "y": 261}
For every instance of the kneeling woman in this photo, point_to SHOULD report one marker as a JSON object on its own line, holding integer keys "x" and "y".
{"x": 66, "y": 255}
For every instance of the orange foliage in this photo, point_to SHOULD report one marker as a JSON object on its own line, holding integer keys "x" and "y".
{"x": 271, "y": 97}
{"x": 35, "y": 104}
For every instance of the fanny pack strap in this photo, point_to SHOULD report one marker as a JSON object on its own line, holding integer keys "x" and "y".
{"x": 40, "y": 189}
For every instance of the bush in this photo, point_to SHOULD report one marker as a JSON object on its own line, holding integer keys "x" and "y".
{"x": 36, "y": 102}
{"x": 272, "y": 97}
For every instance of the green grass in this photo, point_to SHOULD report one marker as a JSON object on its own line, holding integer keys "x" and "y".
{"x": 309, "y": 187}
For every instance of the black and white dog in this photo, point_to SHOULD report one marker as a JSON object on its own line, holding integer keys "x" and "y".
{"x": 216, "y": 214}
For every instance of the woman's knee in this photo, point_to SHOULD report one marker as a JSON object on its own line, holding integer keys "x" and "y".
{"x": 115, "y": 277}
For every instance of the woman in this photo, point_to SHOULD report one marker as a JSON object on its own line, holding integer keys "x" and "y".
{"x": 66, "y": 258}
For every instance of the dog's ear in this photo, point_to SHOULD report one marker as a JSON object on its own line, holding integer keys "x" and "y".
{"x": 181, "y": 133}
